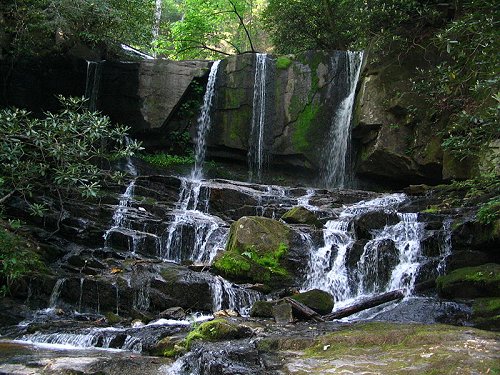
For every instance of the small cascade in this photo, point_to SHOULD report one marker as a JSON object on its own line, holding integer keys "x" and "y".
{"x": 226, "y": 295}
{"x": 376, "y": 258}
{"x": 335, "y": 173}
{"x": 256, "y": 148}
{"x": 193, "y": 234}
{"x": 80, "y": 299}
{"x": 446, "y": 248}
{"x": 328, "y": 264}
{"x": 92, "y": 83}
{"x": 205, "y": 122}
{"x": 56, "y": 292}
{"x": 304, "y": 200}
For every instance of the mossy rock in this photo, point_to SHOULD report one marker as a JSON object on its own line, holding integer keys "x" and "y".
{"x": 471, "y": 282}
{"x": 486, "y": 313}
{"x": 217, "y": 330}
{"x": 301, "y": 215}
{"x": 256, "y": 252}
{"x": 170, "y": 346}
{"x": 262, "y": 309}
{"x": 318, "y": 300}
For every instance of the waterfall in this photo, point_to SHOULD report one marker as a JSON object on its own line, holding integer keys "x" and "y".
{"x": 225, "y": 295}
{"x": 335, "y": 173}
{"x": 193, "y": 234}
{"x": 256, "y": 149}
{"x": 56, "y": 292}
{"x": 92, "y": 83}
{"x": 204, "y": 122}
{"x": 328, "y": 268}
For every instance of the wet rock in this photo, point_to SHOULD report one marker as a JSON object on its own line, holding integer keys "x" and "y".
{"x": 226, "y": 313}
{"x": 471, "y": 282}
{"x": 301, "y": 215}
{"x": 262, "y": 309}
{"x": 472, "y": 235}
{"x": 317, "y": 300}
{"x": 464, "y": 258}
{"x": 282, "y": 313}
{"x": 177, "y": 313}
{"x": 169, "y": 346}
{"x": 365, "y": 224}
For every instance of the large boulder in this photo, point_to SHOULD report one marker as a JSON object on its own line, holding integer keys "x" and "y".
{"x": 256, "y": 252}
{"x": 471, "y": 282}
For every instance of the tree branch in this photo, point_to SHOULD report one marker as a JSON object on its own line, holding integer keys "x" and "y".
{"x": 5, "y": 197}
{"x": 242, "y": 23}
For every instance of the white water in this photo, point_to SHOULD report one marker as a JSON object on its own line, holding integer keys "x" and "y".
{"x": 226, "y": 295}
{"x": 56, "y": 292}
{"x": 205, "y": 122}
{"x": 193, "y": 234}
{"x": 256, "y": 147}
{"x": 327, "y": 268}
{"x": 335, "y": 173}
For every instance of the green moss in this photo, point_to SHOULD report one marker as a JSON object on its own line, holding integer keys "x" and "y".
{"x": 486, "y": 306}
{"x": 234, "y": 97}
{"x": 283, "y": 62}
{"x": 232, "y": 264}
{"x": 471, "y": 282}
{"x": 431, "y": 210}
{"x": 214, "y": 330}
{"x": 318, "y": 300}
{"x": 301, "y": 136}
{"x": 112, "y": 318}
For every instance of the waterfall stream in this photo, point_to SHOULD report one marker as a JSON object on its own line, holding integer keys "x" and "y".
{"x": 256, "y": 148}
{"x": 335, "y": 173}
{"x": 92, "y": 83}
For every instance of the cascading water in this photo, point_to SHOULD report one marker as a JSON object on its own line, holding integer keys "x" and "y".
{"x": 56, "y": 292}
{"x": 256, "y": 147}
{"x": 328, "y": 269}
{"x": 92, "y": 83}
{"x": 335, "y": 173}
{"x": 205, "y": 122}
{"x": 192, "y": 228}
{"x": 225, "y": 295}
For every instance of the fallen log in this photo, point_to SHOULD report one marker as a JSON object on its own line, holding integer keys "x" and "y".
{"x": 303, "y": 310}
{"x": 365, "y": 304}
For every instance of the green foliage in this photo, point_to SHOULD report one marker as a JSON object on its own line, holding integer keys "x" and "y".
{"x": 210, "y": 29}
{"x": 489, "y": 212}
{"x": 298, "y": 25}
{"x": 32, "y": 24}
{"x": 283, "y": 62}
{"x": 465, "y": 84}
{"x": 18, "y": 258}
{"x": 60, "y": 152}
{"x": 167, "y": 160}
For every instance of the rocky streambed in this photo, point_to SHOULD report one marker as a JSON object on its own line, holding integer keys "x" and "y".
{"x": 130, "y": 274}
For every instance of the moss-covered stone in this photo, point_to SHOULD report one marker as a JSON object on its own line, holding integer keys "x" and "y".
{"x": 301, "y": 138}
{"x": 215, "y": 330}
{"x": 471, "y": 282}
{"x": 112, "y": 318}
{"x": 170, "y": 346}
{"x": 318, "y": 300}
{"x": 255, "y": 251}
{"x": 301, "y": 215}
{"x": 486, "y": 313}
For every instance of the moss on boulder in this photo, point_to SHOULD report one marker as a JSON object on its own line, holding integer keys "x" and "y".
{"x": 255, "y": 252}
{"x": 301, "y": 215}
{"x": 471, "y": 282}
{"x": 215, "y": 330}
{"x": 318, "y": 300}
{"x": 486, "y": 313}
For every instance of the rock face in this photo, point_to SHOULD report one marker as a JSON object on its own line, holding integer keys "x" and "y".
{"x": 301, "y": 94}
{"x": 471, "y": 282}
{"x": 394, "y": 131}
{"x": 300, "y": 215}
